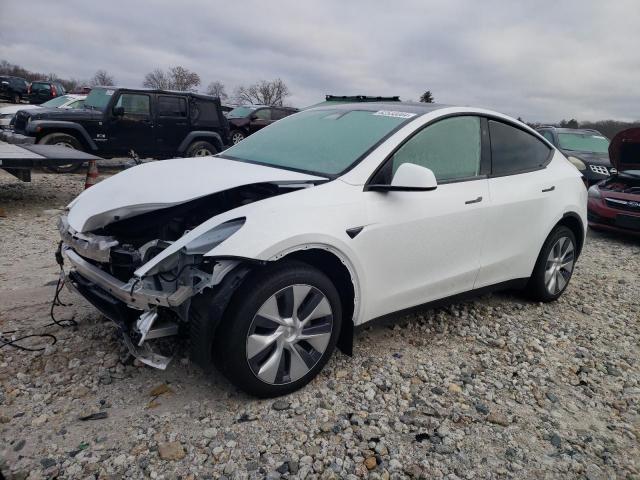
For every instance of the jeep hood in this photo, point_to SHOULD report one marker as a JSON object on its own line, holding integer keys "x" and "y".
{"x": 166, "y": 183}
{"x": 624, "y": 150}
{"x": 66, "y": 114}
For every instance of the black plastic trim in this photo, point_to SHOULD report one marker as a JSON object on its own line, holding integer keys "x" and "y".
{"x": 517, "y": 283}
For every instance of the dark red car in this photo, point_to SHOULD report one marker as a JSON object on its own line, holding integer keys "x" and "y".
{"x": 614, "y": 203}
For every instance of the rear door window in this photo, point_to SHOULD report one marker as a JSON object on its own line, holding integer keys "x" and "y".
{"x": 263, "y": 114}
{"x": 514, "y": 150}
{"x": 172, "y": 106}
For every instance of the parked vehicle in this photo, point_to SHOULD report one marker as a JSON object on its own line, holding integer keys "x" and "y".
{"x": 614, "y": 204}
{"x": 249, "y": 119}
{"x": 13, "y": 88}
{"x": 119, "y": 121}
{"x": 270, "y": 253}
{"x": 586, "y": 149}
{"x": 42, "y": 91}
{"x": 65, "y": 101}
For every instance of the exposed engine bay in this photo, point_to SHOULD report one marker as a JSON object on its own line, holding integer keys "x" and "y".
{"x": 623, "y": 182}
{"x": 150, "y": 307}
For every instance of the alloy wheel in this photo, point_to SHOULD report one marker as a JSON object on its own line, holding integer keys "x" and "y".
{"x": 289, "y": 334}
{"x": 559, "y": 266}
{"x": 236, "y": 138}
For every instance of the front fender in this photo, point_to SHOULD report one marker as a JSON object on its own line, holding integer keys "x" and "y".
{"x": 36, "y": 127}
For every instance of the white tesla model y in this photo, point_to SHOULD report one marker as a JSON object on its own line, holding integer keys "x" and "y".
{"x": 270, "y": 253}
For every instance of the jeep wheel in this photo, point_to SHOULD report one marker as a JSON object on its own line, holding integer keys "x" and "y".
{"x": 201, "y": 149}
{"x": 67, "y": 141}
{"x": 280, "y": 329}
{"x": 237, "y": 136}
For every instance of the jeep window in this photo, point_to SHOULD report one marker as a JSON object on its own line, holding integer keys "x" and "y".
{"x": 98, "y": 98}
{"x": 172, "y": 106}
{"x": 325, "y": 142}
{"x": 134, "y": 104}
{"x": 583, "y": 142}
{"x": 240, "y": 112}
{"x": 450, "y": 148}
{"x": 56, "y": 102}
{"x": 514, "y": 150}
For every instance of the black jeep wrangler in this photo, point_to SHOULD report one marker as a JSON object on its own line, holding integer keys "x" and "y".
{"x": 118, "y": 122}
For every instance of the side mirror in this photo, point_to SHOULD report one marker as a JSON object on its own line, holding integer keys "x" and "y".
{"x": 118, "y": 111}
{"x": 409, "y": 177}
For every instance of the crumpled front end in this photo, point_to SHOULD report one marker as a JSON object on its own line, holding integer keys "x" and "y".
{"x": 151, "y": 307}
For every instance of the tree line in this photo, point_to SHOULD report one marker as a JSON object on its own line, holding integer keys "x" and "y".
{"x": 264, "y": 92}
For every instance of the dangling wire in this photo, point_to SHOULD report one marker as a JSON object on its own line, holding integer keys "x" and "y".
{"x": 67, "y": 322}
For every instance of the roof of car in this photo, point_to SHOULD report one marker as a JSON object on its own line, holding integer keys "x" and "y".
{"x": 408, "y": 107}
{"x": 155, "y": 90}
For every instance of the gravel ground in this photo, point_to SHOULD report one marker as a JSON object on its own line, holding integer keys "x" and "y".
{"x": 494, "y": 388}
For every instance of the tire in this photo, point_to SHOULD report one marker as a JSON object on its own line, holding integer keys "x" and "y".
{"x": 277, "y": 361}
{"x": 64, "y": 140}
{"x": 554, "y": 267}
{"x": 237, "y": 136}
{"x": 201, "y": 148}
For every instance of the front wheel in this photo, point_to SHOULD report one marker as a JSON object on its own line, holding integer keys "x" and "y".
{"x": 280, "y": 329}
{"x": 201, "y": 149}
{"x": 554, "y": 266}
{"x": 237, "y": 136}
{"x": 67, "y": 141}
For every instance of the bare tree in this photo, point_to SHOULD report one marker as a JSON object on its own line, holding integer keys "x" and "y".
{"x": 102, "y": 78}
{"x": 157, "y": 79}
{"x": 176, "y": 78}
{"x": 183, "y": 79}
{"x": 427, "y": 97}
{"x": 264, "y": 93}
{"x": 216, "y": 89}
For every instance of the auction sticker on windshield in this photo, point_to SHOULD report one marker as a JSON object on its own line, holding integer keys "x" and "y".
{"x": 394, "y": 114}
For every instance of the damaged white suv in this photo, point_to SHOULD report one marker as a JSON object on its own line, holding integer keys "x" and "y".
{"x": 267, "y": 255}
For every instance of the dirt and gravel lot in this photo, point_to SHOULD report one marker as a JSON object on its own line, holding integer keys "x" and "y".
{"x": 493, "y": 388}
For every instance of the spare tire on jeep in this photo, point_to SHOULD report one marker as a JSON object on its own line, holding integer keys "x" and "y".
{"x": 63, "y": 140}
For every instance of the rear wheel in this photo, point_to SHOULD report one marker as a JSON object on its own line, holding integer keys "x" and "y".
{"x": 280, "y": 329}
{"x": 201, "y": 149}
{"x": 16, "y": 98}
{"x": 554, "y": 266}
{"x": 67, "y": 141}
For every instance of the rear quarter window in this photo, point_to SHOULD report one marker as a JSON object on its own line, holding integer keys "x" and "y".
{"x": 514, "y": 150}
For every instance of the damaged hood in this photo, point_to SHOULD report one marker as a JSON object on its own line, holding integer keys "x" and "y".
{"x": 163, "y": 184}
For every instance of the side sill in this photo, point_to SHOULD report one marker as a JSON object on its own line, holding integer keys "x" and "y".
{"x": 517, "y": 283}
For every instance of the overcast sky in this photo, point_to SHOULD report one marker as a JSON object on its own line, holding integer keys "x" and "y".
{"x": 541, "y": 60}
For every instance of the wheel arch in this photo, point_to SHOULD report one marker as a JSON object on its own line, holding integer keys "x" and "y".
{"x": 197, "y": 136}
{"x": 573, "y": 222}
{"x": 41, "y": 129}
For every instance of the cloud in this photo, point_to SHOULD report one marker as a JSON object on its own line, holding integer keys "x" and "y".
{"x": 540, "y": 60}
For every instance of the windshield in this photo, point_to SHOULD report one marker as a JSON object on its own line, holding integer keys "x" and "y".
{"x": 240, "y": 112}
{"x": 324, "y": 142}
{"x": 99, "y": 98}
{"x": 584, "y": 142}
{"x": 40, "y": 86}
{"x": 56, "y": 102}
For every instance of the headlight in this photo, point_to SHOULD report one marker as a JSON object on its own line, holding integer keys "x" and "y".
{"x": 594, "y": 192}
{"x": 214, "y": 237}
{"x": 199, "y": 246}
{"x": 579, "y": 164}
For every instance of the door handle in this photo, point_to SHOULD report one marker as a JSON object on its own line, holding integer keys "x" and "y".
{"x": 477, "y": 200}
{"x": 550, "y": 189}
